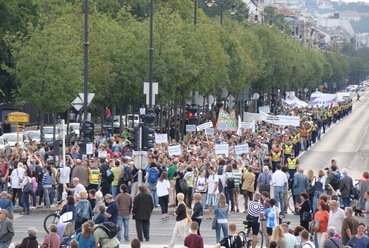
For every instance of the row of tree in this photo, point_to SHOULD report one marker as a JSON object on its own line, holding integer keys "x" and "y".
{"x": 42, "y": 53}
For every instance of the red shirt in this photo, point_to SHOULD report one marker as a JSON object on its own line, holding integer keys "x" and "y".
{"x": 194, "y": 241}
{"x": 322, "y": 216}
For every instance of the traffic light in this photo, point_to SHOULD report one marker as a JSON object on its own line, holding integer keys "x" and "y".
{"x": 148, "y": 138}
{"x": 88, "y": 130}
{"x": 134, "y": 138}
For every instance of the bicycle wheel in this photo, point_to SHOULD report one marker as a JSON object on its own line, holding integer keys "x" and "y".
{"x": 246, "y": 239}
{"x": 291, "y": 207}
{"x": 50, "y": 219}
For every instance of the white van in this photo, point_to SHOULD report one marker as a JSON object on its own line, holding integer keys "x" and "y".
{"x": 343, "y": 96}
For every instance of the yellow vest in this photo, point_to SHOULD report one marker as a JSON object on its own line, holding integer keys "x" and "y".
{"x": 288, "y": 148}
{"x": 295, "y": 138}
{"x": 94, "y": 175}
{"x": 291, "y": 163}
{"x": 276, "y": 156}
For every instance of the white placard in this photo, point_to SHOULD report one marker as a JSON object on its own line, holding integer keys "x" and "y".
{"x": 190, "y": 128}
{"x": 89, "y": 148}
{"x": 161, "y": 138}
{"x": 222, "y": 149}
{"x": 223, "y": 126}
{"x": 136, "y": 153}
{"x": 281, "y": 120}
{"x": 66, "y": 217}
{"x": 204, "y": 126}
{"x": 264, "y": 109}
{"x": 174, "y": 150}
{"x": 102, "y": 154}
{"x": 209, "y": 131}
{"x": 244, "y": 148}
{"x": 246, "y": 125}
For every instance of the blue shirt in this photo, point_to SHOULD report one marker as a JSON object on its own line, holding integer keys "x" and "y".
{"x": 358, "y": 243}
{"x": 271, "y": 216}
{"x": 85, "y": 243}
{"x": 101, "y": 218}
{"x": 113, "y": 210}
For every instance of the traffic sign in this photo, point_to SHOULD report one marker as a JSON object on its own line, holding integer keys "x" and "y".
{"x": 89, "y": 97}
{"x": 77, "y": 103}
{"x": 18, "y": 117}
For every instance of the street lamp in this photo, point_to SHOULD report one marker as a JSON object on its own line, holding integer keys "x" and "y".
{"x": 232, "y": 11}
{"x": 255, "y": 97}
{"x": 150, "y": 116}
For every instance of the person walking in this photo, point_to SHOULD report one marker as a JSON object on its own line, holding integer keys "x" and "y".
{"x": 6, "y": 230}
{"x": 142, "y": 208}
{"x": 279, "y": 182}
{"x": 304, "y": 209}
{"x": 197, "y": 211}
{"x": 181, "y": 220}
{"x": 229, "y": 186}
{"x": 322, "y": 216}
{"x": 248, "y": 178}
{"x": 300, "y": 184}
{"x": 254, "y": 211}
{"x": 346, "y": 184}
{"x": 47, "y": 180}
{"x": 152, "y": 177}
{"x": 163, "y": 189}
{"x": 221, "y": 215}
{"x": 112, "y": 210}
{"x": 124, "y": 201}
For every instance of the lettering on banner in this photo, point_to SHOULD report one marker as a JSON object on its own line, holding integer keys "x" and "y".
{"x": 246, "y": 125}
{"x": 190, "y": 128}
{"x": 209, "y": 131}
{"x": 222, "y": 149}
{"x": 204, "y": 126}
{"x": 161, "y": 138}
{"x": 174, "y": 150}
{"x": 228, "y": 119}
{"x": 222, "y": 126}
{"x": 244, "y": 148}
{"x": 102, "y": 154}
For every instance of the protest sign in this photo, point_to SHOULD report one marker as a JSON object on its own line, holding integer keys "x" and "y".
{"x": 222, "y": 149}
{"x": 174, "y": 150}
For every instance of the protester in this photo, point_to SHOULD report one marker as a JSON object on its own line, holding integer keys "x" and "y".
{"x": 304, "y": 210}
{"x": 141, "y": 211}
{"x": 332, "y": 241}
{"x": 231, "y": 240}
{"x": 221, "y": 215}
{"x": 163, "y": 189}
{"x": 254, "y": 211}
{"x": 194, "y": 240}
{"x": 51, "y": 240}
{"x": 85, "y": 238}
{"x": 197, "y": 211}
{"x": 83, "y": 211}
{"x": 360, "y": 239}
{"x": 124, "y": 201}
{"x": 30, "y": 241}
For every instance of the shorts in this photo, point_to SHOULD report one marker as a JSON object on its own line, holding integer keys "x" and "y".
{"x": 211, "y": 200}
{"x": 269, "y": 231}
{"x": 255, "y": 227}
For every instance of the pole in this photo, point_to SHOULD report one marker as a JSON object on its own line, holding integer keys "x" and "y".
{"x": 64, "y": 194}
{"x": 221, "y": 13}
{"x": 150, "y": 116}
{"x": 139, "y": 175}
{"x": 85, "y": 62}
{"x": 195, "y": 13}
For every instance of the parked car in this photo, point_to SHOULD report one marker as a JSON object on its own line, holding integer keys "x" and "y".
{"x": 76, "y": 128}
{"x": 11, "y": 138}
{"x": 36, "y": 136}
{"x": 49, "y": 134}
{"x": 5, "y": 147}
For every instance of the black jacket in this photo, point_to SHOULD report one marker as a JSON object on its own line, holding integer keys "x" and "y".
{"x": 198, "y": 211}
{"x": 142, "y": 206}
{"x": 29, "y": 242}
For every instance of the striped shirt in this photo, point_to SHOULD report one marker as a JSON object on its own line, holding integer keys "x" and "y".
{"x": 254, "y": 208}
{"x": 237, "y": 177}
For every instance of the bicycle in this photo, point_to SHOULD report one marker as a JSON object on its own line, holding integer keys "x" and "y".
{"x": 246, "y": 234}
{"x": 53, "y": 218}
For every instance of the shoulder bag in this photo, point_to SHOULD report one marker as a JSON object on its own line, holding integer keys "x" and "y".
{"x": 215, "y": 220}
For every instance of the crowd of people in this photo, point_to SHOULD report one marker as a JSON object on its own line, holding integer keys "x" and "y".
{"x": 110, "y": 187}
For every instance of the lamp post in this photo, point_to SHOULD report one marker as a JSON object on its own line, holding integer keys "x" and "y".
{"x": 232, "y": 11}
{"x": 85, "y": 62}
{"x": 195, "y": 13}
{"x": 150, "y": 116}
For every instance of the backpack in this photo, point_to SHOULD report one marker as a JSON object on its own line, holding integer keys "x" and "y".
{"x": 265, "y": 184}
{"x": 127, "y": 174}
{"x": 110, "y": 229}
{"x": 183, "y": 185}
{"x": 109, "y": 175}
{"x": 153, "y": 175}
{"x": 230, "y": 182}
{"x": 335, "y": 181}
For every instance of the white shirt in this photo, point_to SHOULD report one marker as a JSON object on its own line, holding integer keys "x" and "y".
{"x": 290, "y": 240}
{"x": 335, "y": 219}
{"x": 16, "y": 176}
{"x": 212, "y": 180}
{"x": 78, "y": 188}
{"x": 162, "y": 188}
{"x": 279, "y": 178}
{"x": 64, "y": 173}
{"x": 142, "y": 111}
{"x": 201, "y": 184}
{"x": 308, "y": 244}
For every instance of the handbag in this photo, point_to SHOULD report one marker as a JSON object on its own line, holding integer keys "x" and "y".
{"x": 215, "y": 222}
{"x": 316, "y": 226}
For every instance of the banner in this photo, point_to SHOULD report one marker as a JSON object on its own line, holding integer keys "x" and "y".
{"x": 324, "y": 101}
{"x": 222, "y": 149}
{"x": 293, "y": 103}
{"x": 161, "y": 138}
{"x": 244, "y": 148}
{"x": 264, "y": 109}
{"x": 174, "y": 150}
{"x": 246, "y": 125}
{"x": 222, "y": 126}
{"x": 209, "y": 131}
{"x": 281, "y": 120}
{"x": 228, "y": 119}
{"x": 204, "y": 126}
{"x": 190, "y": 128}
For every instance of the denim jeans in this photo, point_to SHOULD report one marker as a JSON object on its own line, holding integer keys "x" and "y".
{"x": 154, "y": 196}
{"x": 25, "y": 201}
{"x": 315, "y": 199}
{"x": 346, "y": 202}
{"x": 278, "y": 196}
{"x": 123, "y": 221}
{"x": 114, "y": 190}
{"x": 229, "y": 197}
{"x": 4, "y": 245}
{"x": 224, "y": 227}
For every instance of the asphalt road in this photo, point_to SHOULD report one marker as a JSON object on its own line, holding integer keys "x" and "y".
{"x": 346, "y": 142}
